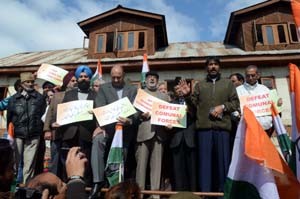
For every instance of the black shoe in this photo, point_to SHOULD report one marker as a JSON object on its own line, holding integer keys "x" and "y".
{"x": 95, "y": 190}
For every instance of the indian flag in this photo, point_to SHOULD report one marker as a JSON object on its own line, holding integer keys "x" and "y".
{"x": 10, "y": 133}
{"x": 98, "y": 72}
{"x": 115, "y": 164}
{"x": 145, "y": 69}
{"x": 282, "y": 136}
{"x": 257, "y": 170}
{"x": 295, "y": 4}
{"x": 295, "y": 103}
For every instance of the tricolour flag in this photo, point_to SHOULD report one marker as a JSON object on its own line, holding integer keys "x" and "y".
{"x": 98, "y": 72}
{"x": 10, "y": 133}
{"x": 295, "y": 4}
{"x": 257, "y": 170}
{"x": 115, "y": 164}
{"x": 282, "y": 136}
{"x": 145, "y": 69}
{"x": 295, "y": 105}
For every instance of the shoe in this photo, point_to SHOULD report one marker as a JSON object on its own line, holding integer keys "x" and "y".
{"x": 95, "y": 190}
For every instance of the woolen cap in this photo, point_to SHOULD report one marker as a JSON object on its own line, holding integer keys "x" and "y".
{"x": 26, "y": 76}
{"x": 153, "y": 73}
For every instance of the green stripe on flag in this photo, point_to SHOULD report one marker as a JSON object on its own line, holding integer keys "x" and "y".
{"x": 240, "y": 190}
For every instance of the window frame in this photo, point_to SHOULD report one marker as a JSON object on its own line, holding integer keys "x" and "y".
{"x": 263, "y": 81}
{"x": 290, "y": 33}
{"x": 275, "y": 33}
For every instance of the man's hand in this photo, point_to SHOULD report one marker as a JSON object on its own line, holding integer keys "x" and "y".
{"x": 48, "y": 135}
{"x": 98, "y": 131}
{"x": 75, "y": 163}
{"x": 145, "y": 116}
{"x": 183, "y": 88}
{"x": 124, "y": 121}
{"x": 55, "y": 125}
{"x": 217, "y": 111}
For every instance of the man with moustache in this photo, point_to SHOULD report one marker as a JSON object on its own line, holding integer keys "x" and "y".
{"x": 214, "y": 99}
{"x": 150, "y": 139}
{"x": 25, "y": 110}
{"x": 80, "y": 133}
{"x": 103, "y": 136}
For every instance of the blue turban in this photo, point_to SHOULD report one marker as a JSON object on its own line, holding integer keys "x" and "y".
{"x": 85, "y": 69}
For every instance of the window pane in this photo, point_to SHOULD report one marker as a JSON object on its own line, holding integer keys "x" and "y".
{"x": 281, "y": 34}
{"x": 293, "y": 31}
{"x": 130, "y": 40}
{"x": 110, "y": 42}
{"x": 100, "y": 43}
{"x": 141, "y": 40}
{"x": 259, "y": 34}
{"x": 270, "y": 35}
{"x": 120, "y": 41}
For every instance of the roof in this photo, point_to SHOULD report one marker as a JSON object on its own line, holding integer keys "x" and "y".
{"x": 181, "y": 50}
{"x": 234, "y": 22}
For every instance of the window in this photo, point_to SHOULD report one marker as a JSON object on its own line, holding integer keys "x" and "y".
{"x": 100, "y": 43}
{"x": 268, "y": 82}
{"x": 274, "y": 34}
{"x": 121, "y": 41}
{"x": 293, "y": 33}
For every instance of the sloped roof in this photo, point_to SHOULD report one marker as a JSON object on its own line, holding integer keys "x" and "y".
{"x": 181, "y": 50}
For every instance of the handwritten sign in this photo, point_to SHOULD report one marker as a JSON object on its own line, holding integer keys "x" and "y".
{"x": 108, "y": 114}
{"x": 74, "y": 111}
{"x": 169, "y": 114}
{"x": 259, "y": 104}
{"x": 143, "y": 101}
{"x": 274, "y": 97}
{"x": 52, "y": 74}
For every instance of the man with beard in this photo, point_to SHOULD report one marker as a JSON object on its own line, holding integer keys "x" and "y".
{"x": 25, "y": 110}
{"x": 80, "y": 133}
{"x": 214, "y": 99}
{"x": 103, "y": 136}
{"x": 150, "y": 140}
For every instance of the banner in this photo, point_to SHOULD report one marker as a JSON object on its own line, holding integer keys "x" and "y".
{"x": 52, "y": 74}
{"x": 74, "y": 111}
{"x": 143, "y": 101}
{"x": 168, "y": 114}
{"x": 109, "y": 114}
{"x": 259, "y": 104}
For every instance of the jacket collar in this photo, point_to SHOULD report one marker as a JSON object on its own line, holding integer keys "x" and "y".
{"x": 30, "y": 94}
{"x": 209, "y": 79}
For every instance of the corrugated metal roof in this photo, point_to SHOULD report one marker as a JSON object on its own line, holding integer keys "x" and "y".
{"x": 173, "y": 51}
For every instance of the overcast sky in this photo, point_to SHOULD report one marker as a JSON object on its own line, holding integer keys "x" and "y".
{"x": 38, "y": 25}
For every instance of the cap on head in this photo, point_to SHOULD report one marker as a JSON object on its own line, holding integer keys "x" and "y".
{"x": 153, "y": 73}
{"x": 26, "y": 76}
{"x": 83, "y": 69}
{"x": 68, "y": 78}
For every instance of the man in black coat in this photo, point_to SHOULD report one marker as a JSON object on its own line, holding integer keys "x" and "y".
{"x": 25, "y": 110}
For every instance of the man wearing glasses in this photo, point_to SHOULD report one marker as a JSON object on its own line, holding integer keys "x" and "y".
{"x": 257, "y": 97}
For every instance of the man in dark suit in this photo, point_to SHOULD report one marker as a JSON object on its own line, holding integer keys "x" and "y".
{"x": 102, "y": 136}
{"x": 80, "y": 133}
{"x": 183, "y": 148}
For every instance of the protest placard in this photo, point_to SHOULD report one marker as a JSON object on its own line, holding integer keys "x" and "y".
{"x": 74, "y": 111}
{"x": 165, "y": 114}
{"x": 52, "y": 74}
{"x": 109, "y": 113}
{"x": 259, "y": 103}
{"x": 143, "y": 101}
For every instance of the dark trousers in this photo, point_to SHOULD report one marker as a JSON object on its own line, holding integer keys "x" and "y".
{"x": 56, "y": 159}
{"x": 184, "y": 166}
{"x": 214, "y": 159}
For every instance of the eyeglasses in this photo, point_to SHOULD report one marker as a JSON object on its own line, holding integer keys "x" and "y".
{"x": 251, "y": 75}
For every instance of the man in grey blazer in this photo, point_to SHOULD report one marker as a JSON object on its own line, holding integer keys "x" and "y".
{"x": 103, "y": 136}
{"x": 150, "y": 140}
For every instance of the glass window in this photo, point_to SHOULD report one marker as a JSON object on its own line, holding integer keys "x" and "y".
{"x": 130, "y": 40}
{"x": 100, "y": 43}
{"x": 281, "y": 34}
{"x": 270, "y": 36}
{"x": 293, "y": 31}
{"x": 110, "y": 42}
{"x": 141, "y": 41}
{"x": 120, "y": 41}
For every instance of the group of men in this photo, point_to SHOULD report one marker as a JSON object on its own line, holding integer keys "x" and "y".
{"x": 201, "y": 153}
